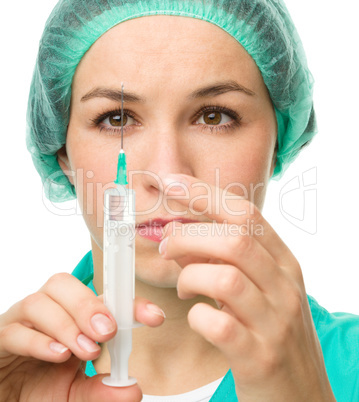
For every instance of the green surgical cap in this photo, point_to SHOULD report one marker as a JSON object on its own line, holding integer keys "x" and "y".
{"x": 263, "y": 27}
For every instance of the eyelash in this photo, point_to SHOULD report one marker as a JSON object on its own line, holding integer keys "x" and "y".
{"x": 96, "y": 122}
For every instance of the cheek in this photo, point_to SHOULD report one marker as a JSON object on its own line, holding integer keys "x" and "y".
{"x": 245, "y": 170}
{"x": 250, "y": 164}
{"x": 92, "y": 159}
{"x": 94, "y": 168}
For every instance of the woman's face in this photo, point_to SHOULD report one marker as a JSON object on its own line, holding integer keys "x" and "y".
{"x": 177, "y": 127}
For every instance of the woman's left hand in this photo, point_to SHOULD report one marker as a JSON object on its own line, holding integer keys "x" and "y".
{"x": 264, "y": 326}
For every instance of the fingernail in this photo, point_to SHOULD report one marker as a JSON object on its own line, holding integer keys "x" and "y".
{"x": 87, "y": 344}
{"x": 155, "y": 310}
{"x": 58, "y": 347}
{"x": 176, "y": 184}
{"x": 163, "y": 246}
{"x": 219, "y": 304}
{"x": 163, "y": 232}
{"x": 165, "y": 229}
{"x": 102, "y": 324}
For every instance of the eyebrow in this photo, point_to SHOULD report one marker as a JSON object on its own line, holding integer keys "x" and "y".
{"x": 209, "y": 90}
{"x": 112, "y": 94}
{"x": 218, "y": 89}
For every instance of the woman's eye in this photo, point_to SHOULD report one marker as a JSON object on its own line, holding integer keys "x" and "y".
{"x": 214, "y": 118}
{"x": 218, "y": 119}
{"x": 115, "y": 120}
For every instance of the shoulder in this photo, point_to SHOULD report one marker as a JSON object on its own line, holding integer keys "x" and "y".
{"x": 84, "y": 269}
{"x": 338, "y": 334}
{"x": 327, "y": 324}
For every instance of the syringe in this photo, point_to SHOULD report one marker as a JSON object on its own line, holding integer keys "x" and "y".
{"x": 119, "y": 269}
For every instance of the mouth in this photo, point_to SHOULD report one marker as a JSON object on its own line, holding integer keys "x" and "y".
{"x": 153, "y": 229}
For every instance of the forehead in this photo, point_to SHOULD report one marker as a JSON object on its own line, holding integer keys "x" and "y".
{"x": 169, "y": 48}
{"x": 150, "y": 30}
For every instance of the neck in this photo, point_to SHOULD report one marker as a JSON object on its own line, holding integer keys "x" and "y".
{"x": 171, "y": 348}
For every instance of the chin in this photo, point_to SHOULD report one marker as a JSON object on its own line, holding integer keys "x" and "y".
{"x": 157, "y": 272}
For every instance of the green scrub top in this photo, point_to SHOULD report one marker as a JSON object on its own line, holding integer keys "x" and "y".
{"x": 338, "y": 334}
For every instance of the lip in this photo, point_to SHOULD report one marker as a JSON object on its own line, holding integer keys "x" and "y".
{"x": 152, "y": 229}
{"x": 163, "y": 222}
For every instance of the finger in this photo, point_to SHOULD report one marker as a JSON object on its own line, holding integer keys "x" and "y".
{"x": 230, "y": 287}
{"x": 220, "y": 205}
{"x": 244, "y": 252}
{"x": 48, "y": 317}
{"x": 20, "y": 340}
{"x": 91, "y": 316}
{"x": 223, "y": 331}
{"x": 148, "y": 313}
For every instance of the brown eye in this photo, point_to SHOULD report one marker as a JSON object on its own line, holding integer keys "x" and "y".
{"x": 115, "y": 120}
{"x": 213, "y": 118}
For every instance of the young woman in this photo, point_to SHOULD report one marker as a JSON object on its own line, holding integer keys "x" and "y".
{"x": 218, "y": 99}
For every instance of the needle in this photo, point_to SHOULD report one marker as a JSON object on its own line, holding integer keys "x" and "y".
{"x": 121, "y": 116}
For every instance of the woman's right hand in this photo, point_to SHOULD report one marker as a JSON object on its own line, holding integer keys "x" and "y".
{"x": 45, "y": 339}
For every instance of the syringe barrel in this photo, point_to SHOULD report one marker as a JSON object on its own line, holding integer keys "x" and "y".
{"x": 119, "y": 254}
{"x": 119, "y": 275}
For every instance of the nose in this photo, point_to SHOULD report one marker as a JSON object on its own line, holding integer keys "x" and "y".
{"x": 169, "y": 151}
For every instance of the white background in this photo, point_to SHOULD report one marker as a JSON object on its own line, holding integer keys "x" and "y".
{"x": 36, "y": 243}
